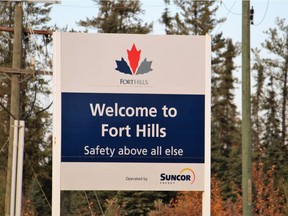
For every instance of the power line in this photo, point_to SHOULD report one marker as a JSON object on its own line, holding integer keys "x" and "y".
{"x": 230, "y": 9}
{"x": 41, "y": 188}
{"x": 2, "y": 149}
{"x": 6, "y": 110}
{"x": 265, "y": 14}
{"x": 89, "y": 206}
{"x": 99, "y": 204}
{"x": 228, "y": 13}
{"x": 114, "y": 200}
{"x": 37, "y": 180}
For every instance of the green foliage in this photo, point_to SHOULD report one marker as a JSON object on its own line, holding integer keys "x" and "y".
{"x": 6, "y": 13}
{"x": 270, "y": 105}
{"x": 270, "y": 101}
{"x": 41, "y": 200}
{"x": 70, "y": 202}
{"x": 38, "y": 140}
{"x": 118, "y": 17}
{"x": 6, "y": 19}
{"x": 193, "y": 18}
{"x": 2, "y": 191}
{"x": 37, "y": 152}
{"x": 85, "y": 202}
{"x": 115, "y": 17}
{"x": 269, "y": 116}
{"x": 111, "y": 202}
{"x": 225, "y": 123}
{"x": 257, "y": 104}
{"x": 141, "y": 202}
{"x": 198, "y": 18}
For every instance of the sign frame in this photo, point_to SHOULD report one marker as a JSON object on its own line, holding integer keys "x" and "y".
{"x": 58, "y": 166}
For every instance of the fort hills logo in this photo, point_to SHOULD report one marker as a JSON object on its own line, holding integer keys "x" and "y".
{"x": 133, "y": 68}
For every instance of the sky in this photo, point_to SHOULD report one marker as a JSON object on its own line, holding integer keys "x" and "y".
{"x": 68, "y": 12}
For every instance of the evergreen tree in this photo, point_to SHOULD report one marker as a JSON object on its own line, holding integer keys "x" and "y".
{"x": 271, "y": 140}
{"x": 118, "y": 17}
{"x": 38, "y": 145}
{"x": 40, "y": 189}
{"x": 37, "y": 153}
{"x": 198, "y": 18}
{"x": 277, "y": 44}
{"x": 6, "y": 11}
{"x": 193, "y": 18}
{"x": 74, "y": 203}
{"x": 274, "y": 149}
{"x": 141, "y": 202}
{"x": 225, "y": 122}
{"x": 270, "y": 104}
{"x": 257, "y": 104}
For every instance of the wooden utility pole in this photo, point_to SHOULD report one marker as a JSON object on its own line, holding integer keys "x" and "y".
{"x": 246, "y": 113}
{"x": 27, "y": 31}
{"x": 16, "y": 71}
{"x": 15, "y": 97}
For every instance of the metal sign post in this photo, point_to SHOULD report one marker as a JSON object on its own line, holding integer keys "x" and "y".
{"x": 14, "y": 170}
{"x": 20, "y": 156}
{"x": 17, "y": 168}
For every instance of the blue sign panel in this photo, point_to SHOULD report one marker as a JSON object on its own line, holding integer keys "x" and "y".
{"x": 110, "y": 127}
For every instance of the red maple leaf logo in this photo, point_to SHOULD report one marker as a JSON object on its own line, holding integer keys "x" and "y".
{"x": 134, "y": 57}
{"x": 133, "y": 68}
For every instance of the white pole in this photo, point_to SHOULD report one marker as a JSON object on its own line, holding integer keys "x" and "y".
{"x": 206, "y": 195}
{"x": 14, "y": 168}
{"x": 56, "y": 147}
{"x": 20, "y": 168}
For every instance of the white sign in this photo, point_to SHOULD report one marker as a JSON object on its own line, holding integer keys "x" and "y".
{"x": 132, "y": 112}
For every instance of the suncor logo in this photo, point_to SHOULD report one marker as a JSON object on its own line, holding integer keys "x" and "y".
{"x": 133, "y": 68}
{"x": 185, "y": 175}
